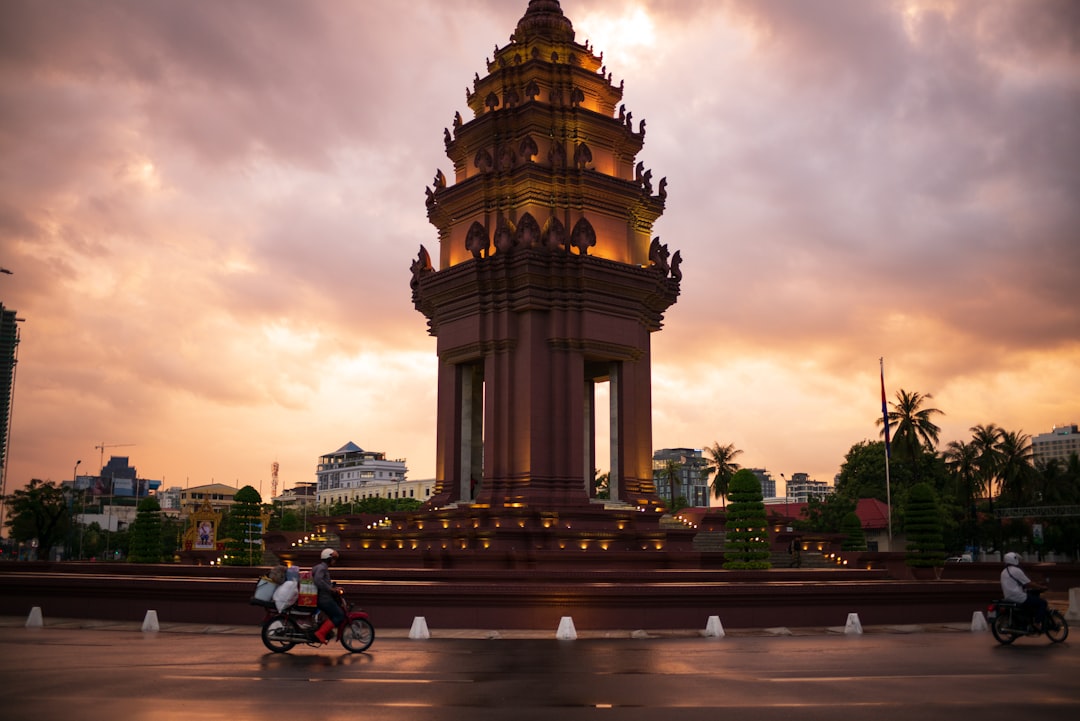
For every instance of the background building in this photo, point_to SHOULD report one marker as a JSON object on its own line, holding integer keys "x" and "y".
{"x": 768, "y": 483}
{"x": 801, "y": 488}
{"x": 352, "y": 474}
{"x": 1059, "y": 443}
{"x": 693, "y": 474}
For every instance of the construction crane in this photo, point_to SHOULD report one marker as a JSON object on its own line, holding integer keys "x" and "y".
{"x": 103, "y": 445}
{"x": 273, "y": 480}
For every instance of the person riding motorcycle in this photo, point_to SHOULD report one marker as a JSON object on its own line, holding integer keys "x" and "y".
{"x": 1018, "y": 588}
{"x": 328, "y": 591}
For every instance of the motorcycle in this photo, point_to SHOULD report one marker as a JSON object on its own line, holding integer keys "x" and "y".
{"x": 281, "y": 630}
{"x": 1009, "y": 621}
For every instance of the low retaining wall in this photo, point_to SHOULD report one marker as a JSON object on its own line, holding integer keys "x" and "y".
{"x": 598, "y": 600}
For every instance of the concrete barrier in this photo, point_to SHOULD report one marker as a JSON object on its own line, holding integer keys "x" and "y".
{"x": 978, "y": 622}
{"x": 150, "y": 622}
{"x": 1073, "y": 614}
{"x": 566, "y": 631}
{"x": 34, "y": 620}
{"x": 419, "y": 630}
{"x": 713, "y": 628}
{"x": 853, "y": 625}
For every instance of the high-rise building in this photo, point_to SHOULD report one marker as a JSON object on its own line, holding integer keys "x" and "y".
{"x": 1059, "y": 443}
{"x": 693, "y": 470}
{"x": 9, "y": 342}
{"x": 768, "y": 483}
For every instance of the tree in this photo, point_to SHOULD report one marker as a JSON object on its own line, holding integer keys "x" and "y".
{"x": 825, "y": 515}
{"x": 602, "y": 484}
{"x": 145, "y": 543}
{"x": 747, "y": 542}
{"x": 1016, "y": 470}
{"x": 39, "y": 511}
{"x": 671, "y": 473}
{"x": 915, "y": 431}
{"x": 721, "y": 460}
{"x": 851, "y": 527}
{"x": 985, "y": 439}
{"x": 961, "y": 461}
{"x": 243, "y": 529}
{"x": 862, "y": 474}
{"x": 922, "y": 523}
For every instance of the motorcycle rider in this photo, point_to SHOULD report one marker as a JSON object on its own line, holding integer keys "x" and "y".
{"x": 328, "y": 591}
{"x": 1018, "y": 588}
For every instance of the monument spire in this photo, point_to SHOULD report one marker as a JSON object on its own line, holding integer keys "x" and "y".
{"x": 548, "y": 280}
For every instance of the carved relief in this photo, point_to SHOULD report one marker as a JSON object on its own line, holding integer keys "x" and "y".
{"x": 577, "y": 97}
{"x": 554, "y": 235}
{"x": 658, "y": 255}
{"x": 440, "y": 179}
{"x": 476, "y": 240}
{"x": 528, "y": 232}
{"x": 511, "y": 98}
{"x": 663, "y": 188}
{"x": 527, "y": 148}
{"x": 532, "y": 90}
{"x": 483, "y": 161}
{"x": 420, "y": 266}
{"x": 676, "y": 261}
{"x": 491, "y": 101}
{"x": 583, "y": 236}
{"x": 582, "y": 156}
{"x": 557, "y": 155}
{"x": 504, "y": 236}
{"x": 506, "y": 158}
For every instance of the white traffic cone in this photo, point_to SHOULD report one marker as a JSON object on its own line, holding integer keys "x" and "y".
{"x": 419, "y": 629}
{"x": 713, "y": 628}
{"x": 854, "y": 626}
{"x": 150, "y": 623}
{"x": 978, "y": 622}
{"x": 566, "y": 630}
{"x": 34, "y": 620}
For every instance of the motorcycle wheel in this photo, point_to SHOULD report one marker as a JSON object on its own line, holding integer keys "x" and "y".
{"x": 358, "y": 635}
{"x": 1061, "y": 630}
{"x": 276, "y": 634}
{"x": 1000, "y": 630}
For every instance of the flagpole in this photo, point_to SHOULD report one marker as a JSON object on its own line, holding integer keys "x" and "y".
{"x": 885, "y": 418}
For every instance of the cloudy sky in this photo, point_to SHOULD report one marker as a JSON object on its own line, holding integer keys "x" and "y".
{"x": 210, "y": 209}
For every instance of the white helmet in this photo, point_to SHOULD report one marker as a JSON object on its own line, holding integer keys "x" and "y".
{"x": 327, "y": 553}
{"x": 1012, "y": 559}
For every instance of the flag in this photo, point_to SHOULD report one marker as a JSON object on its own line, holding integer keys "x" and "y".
{"x": 884, "y": 409}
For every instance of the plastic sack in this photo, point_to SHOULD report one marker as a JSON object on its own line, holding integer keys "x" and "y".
{"x": 286, "y": 595}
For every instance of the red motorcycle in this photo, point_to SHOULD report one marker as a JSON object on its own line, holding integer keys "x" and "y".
{"x": 281, "y": 630}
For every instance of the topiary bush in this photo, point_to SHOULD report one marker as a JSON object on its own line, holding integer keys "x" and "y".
{"x": 747, "y": 542}
{"x": 923, "y": 527}
{"x": 851, "y": 527}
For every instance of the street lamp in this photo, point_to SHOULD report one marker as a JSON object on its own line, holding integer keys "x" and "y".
{"x": 74, "y": 481}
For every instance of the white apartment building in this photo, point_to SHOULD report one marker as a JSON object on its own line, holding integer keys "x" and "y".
{"x": 801, "y": 488}
{"x": 1059, "y": 443}
{"x": 352, "y": 474}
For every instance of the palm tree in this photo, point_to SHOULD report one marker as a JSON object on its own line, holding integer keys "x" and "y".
{"x": 985, "y": 439}
{"x": 721, "y": 460}
{"x": 1017, "y": 466}
{"x": 672, "y": 471}
{"x": 962, "y": 461}
{"x": 915, "y": 430}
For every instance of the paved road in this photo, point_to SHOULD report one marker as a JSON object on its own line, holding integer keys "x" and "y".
{"x": 71, "y": 673}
